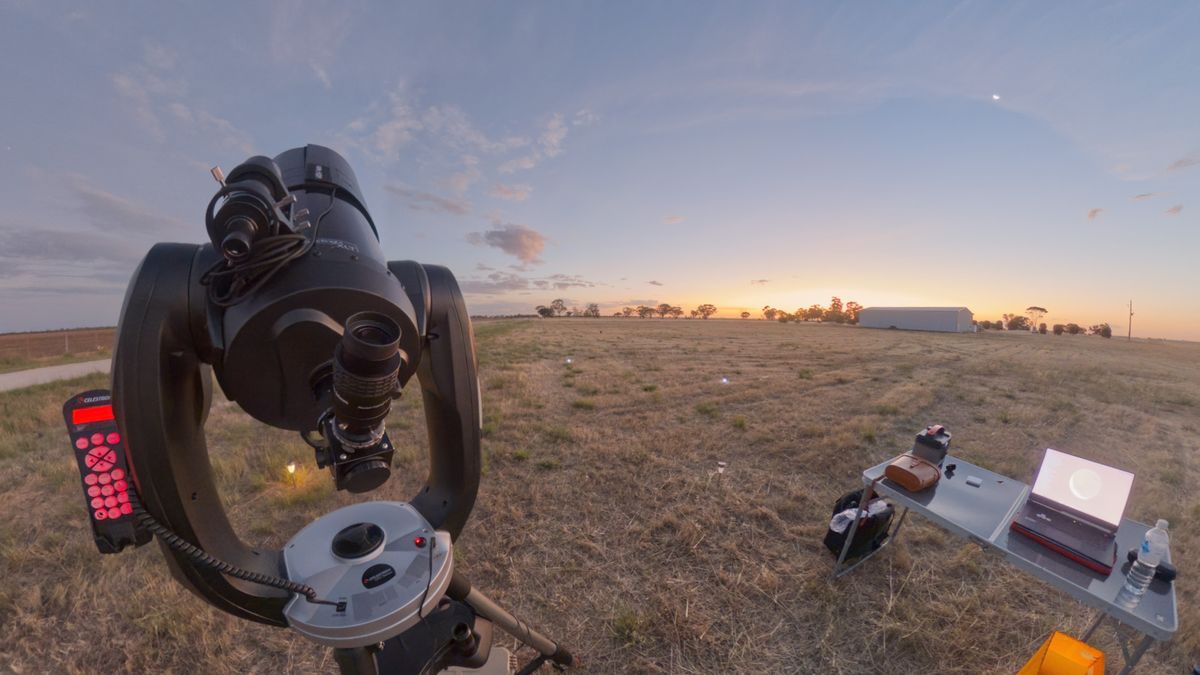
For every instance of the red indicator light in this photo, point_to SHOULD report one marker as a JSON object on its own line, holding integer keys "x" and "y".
{"x": 100, "y": 413}
{"x": 419, "y": 541}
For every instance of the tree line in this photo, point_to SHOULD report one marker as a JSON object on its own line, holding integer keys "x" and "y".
{"x": 1030, "y": 321}
{"x": 836, "y": 312}
{"x": 559, "y": 308}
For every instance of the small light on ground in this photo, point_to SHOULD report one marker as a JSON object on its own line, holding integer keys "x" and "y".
{"x": 721, "y": 467}
{"x": 569, "y": 361}
{"x": 291, "y": 467}
{"x": 724, "y": 380}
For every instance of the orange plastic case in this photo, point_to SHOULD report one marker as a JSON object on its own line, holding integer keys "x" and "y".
{"x": 1062, "y": 654}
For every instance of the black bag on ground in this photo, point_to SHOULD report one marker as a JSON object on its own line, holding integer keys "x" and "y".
{"x": 872, "y": 530}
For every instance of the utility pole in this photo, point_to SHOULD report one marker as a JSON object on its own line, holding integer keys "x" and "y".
{"x": 1129, "y": 335}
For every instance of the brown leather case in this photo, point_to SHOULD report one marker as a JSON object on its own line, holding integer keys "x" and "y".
{"x": 912, "y": 473}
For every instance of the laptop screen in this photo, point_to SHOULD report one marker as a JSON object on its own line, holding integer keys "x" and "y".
{"x": 1092, "y": 489}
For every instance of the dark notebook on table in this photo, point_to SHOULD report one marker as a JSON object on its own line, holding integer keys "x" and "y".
{"x": 1075, "y": 508}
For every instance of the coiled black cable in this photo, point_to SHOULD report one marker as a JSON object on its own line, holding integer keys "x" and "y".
{"x": 200, "y": 557}
{"x": 230, "y": 283}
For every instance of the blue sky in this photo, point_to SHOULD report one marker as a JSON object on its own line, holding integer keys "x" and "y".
{"x": 736, "y": 153}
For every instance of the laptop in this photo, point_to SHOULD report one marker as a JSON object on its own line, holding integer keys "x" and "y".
{"x": 1075, "y": 508}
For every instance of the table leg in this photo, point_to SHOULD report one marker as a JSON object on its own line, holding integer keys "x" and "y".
{"x": 1131, "y": 660}
{"x": 1095, "y": 624}
{"x": 837, "y": 567}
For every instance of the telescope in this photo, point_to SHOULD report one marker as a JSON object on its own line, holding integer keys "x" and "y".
{"x": 307, "y": 327}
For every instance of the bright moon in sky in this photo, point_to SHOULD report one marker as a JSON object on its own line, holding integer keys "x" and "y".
{"x": 995, "y": 97}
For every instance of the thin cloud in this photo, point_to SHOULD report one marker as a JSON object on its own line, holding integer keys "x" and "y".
{"x": 498, "y": 283}
{"x": 1092, "y": 214}
{"x": 513, "y": 193}
{"x": 155, "y": 92}
{"x": 549, "y": 144}
{"x": 1174, "y": 210}
{"x": 324, "y": 27}
{"x": 1144, "y": 196}
{"x": 520, "y": 241}
{"x": 387, "y": 126}
{"x": 673, "y": 220}
{"x": 585, "y": 118}
{"x": 419, "y": 200}
{"x": 759, "y": 282}
{"x": 108, "y": 212}
{"x": 1191, "y": 160}
{"x": 656, "y": 283}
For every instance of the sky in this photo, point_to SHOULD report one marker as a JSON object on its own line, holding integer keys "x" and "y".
{"x": 988, "y": 155}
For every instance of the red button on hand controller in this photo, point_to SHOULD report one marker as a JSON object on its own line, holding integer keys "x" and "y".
{"x": 113, "y": 438}
{"x": 97, "y": 439}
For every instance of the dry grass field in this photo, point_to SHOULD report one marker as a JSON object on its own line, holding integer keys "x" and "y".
{"x": 601, "y": 518}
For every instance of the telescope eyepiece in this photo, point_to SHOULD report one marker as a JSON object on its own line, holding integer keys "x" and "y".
{"x": 366, "y": 369}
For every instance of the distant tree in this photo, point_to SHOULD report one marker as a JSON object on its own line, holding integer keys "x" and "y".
{"x": 593, "y": 310}
{"x": 663, "y": 310}
{"x": 1042, "y": 328}
{"x": 1016, "y": 322}
{"x": 784, "y": 317}
{"x": 644, "y": 312}
{"x": 627, "y": 312}
{"x": 544, "y": 311}
{"x": 694, "y": 314}
{"x": 834, "y": 314}
{"x": 618, "y": 314}
{"x": 559, "y": 306}
{"x": 1102, "y": 329}
{"x": 1035, "y": 314}
{"x": 706, "y": 310}
{"x": 769, "y": 313}
{"x": 745, "y": 315}
{"x": 1074, "y": 329}
{"x": 1059, "y": 329}
{"x": 814, "y": 313}
{"x": 676, "y": 312}
{"x": 852, "y": 310}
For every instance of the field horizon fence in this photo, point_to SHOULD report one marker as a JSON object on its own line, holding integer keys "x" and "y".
{"x": 55, "y": 343}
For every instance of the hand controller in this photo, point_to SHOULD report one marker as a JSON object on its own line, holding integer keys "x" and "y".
{"x": 103, "y": 471}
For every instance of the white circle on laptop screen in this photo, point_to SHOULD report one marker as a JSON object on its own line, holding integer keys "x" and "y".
{"x": 1085, "y": 483}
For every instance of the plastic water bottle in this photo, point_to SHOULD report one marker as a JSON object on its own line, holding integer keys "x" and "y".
{"x": 1153, "y": 550}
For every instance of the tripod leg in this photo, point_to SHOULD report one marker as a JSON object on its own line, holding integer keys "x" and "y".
{"x": 355, "y": 660}
{"x": 460, "y": 589}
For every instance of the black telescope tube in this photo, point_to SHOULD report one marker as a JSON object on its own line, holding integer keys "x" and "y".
{"x": 366, "y": 365}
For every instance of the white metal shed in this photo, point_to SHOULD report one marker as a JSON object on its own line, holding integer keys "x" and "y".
{"x": 946, "y": 319}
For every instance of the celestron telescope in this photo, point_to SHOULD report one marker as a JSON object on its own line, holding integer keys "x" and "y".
{"x": 309, "y": 328}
